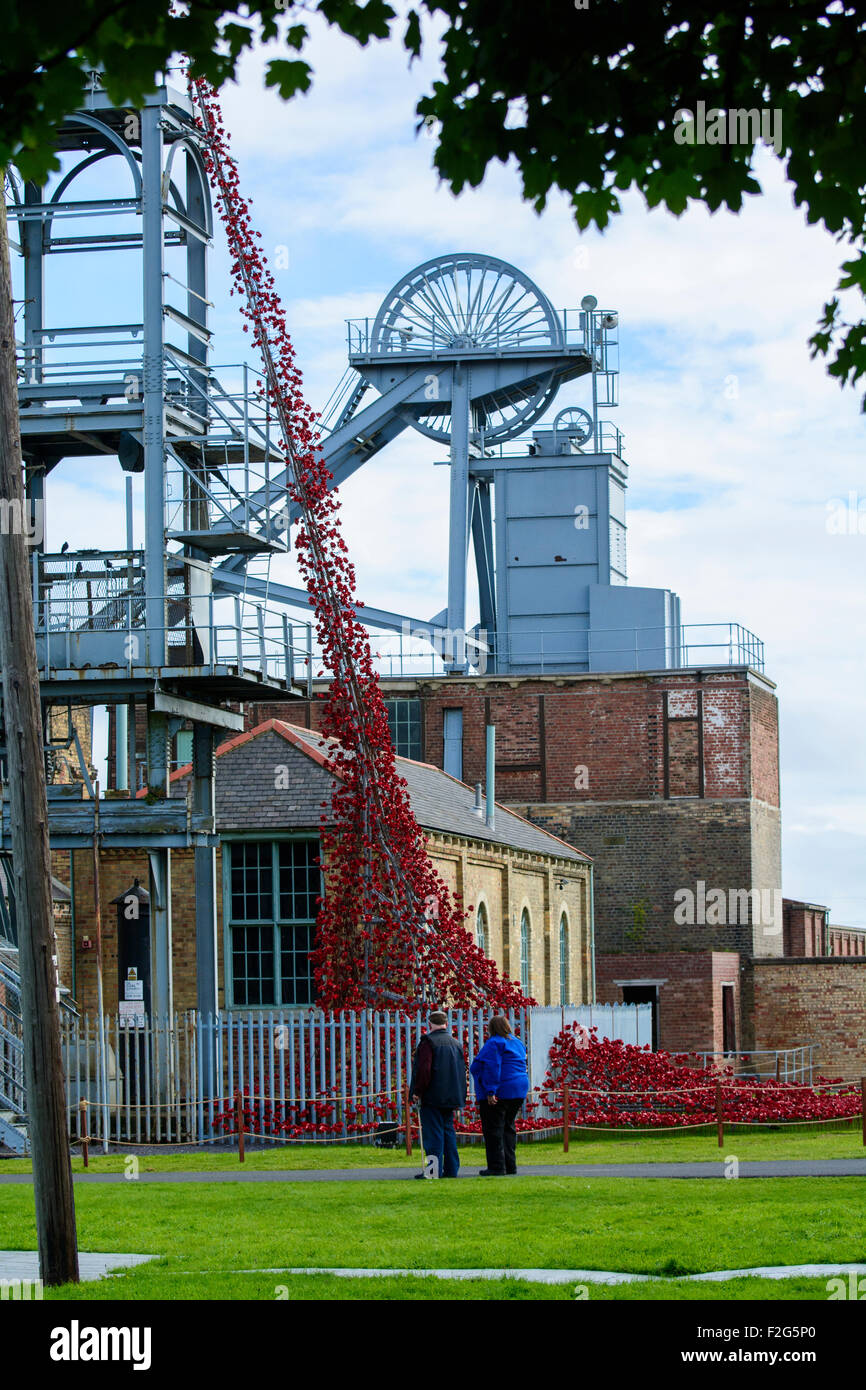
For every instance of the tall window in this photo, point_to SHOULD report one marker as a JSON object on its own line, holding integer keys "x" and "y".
{"x": 524, "y": 950}
{"x": 272, "y": 887}
{"x": 482, "y": 934}
{"x": 452, "y": 720}
{"x": 564, "y": 982}
{"x": 404, "y": 721}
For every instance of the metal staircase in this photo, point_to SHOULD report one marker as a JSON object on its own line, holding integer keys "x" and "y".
{"x": 13, "y": 1095}
{"x": 13, "y": 1089}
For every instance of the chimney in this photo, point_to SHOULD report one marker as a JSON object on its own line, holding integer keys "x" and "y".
{"x": 491, "y": 776}
{"x": 478, "y": 808}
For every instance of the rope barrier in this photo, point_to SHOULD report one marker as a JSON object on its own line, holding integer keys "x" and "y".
{"x": 711, "y": 1085}
{"x": 152, "y": 1143}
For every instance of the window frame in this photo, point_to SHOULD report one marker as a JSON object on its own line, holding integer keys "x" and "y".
{"x": 485, "y": 944}
{"x": 564, "y": 957}
{"x": 525, "y": 950}
{"x": 411, "y": 722}
{"x": 275, "y": 921}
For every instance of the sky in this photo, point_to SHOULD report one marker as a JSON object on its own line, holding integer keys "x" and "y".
{"x": 742, "y": 452}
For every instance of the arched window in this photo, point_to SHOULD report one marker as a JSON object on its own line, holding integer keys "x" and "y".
{"x": 524, "y": 950}
{"x": 564, "y": 981}
{"x": 482, "y": 935}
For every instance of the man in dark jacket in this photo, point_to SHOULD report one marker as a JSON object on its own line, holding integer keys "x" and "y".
{"x": 438, "y": 1081}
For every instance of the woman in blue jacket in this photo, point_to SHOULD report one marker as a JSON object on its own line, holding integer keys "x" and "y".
{"x": 501, "y": 1084}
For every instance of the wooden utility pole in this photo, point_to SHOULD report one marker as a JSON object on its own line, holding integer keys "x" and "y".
{"x": 43, "y": 1065}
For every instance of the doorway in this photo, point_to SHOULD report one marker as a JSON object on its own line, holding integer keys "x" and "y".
{"x": 645, "y": 994}
{"x": 729, "y": 1020}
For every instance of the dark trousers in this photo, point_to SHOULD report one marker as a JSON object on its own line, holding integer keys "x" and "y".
{"x": 500, "y": 1135}
{"x": 440, "y": 1141}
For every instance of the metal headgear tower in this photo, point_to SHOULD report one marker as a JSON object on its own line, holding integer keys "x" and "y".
{"x": 469, "y": 352}
{"x": 139, "y": 627}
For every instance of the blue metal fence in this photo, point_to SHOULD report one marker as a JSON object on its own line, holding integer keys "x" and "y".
{"x": 312, "y": 1074}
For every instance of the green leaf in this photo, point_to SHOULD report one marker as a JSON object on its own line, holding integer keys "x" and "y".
{"x": 289, "y": 75}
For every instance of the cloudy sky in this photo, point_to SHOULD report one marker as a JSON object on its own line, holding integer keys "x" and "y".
{"x": 739, "y": 446}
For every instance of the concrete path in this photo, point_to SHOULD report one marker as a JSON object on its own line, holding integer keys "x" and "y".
{"x": 582, "y": 1276}
{"x": 23, "y": 1265}
{"x": 779, "y": 1168}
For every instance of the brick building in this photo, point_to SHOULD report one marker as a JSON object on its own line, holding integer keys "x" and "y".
{"x": 846, "y": 941}
{"x": 792, "y": 1001}
{"x": 530, "y": 893}
{"x": 806, "y": 929}
{"x": 668, "y": 779}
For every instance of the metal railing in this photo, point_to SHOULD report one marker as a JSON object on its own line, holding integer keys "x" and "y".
{"x": 491, "y": 333}
{"x": 410, "y": 653}
{"x": 764, "y": 1064}
{"x": 89, "y": 611}
{"x": 13, "y": 1089}
{"x": 305, "y": 1075}
{"x": 610, "y": 441}
{"x": 174, "y": 1079}
{"x": 79, "y": 356}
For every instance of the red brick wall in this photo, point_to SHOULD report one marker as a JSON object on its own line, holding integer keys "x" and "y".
{"x": 725, "y": 724}
{"x": 792, "y": 1002}
{"x": 690, "y": 993}
{"x": 844, "y": 941}
{"x": 614, "y": 726}
{"x": 803, "y": 929}
{"x": 764, "y": 745}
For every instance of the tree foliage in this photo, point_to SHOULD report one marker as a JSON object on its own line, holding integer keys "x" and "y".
{"x": 581, "y": 94}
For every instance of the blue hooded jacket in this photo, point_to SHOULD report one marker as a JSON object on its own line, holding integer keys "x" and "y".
{"x": 500, "y": 1069}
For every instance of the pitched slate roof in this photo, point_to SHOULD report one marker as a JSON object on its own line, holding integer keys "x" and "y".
{"x": 279, "y": 778}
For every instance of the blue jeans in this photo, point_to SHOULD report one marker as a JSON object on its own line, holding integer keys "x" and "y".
{"x": 439, "y": 1139}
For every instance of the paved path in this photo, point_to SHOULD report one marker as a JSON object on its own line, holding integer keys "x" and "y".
{"x": 24, "y": 1264}
{"x": 583, "y": 1276}
{"x": 778, "y": 1168}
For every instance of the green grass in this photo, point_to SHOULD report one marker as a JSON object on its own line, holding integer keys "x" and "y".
{"x": 665, "y": 1227}
{"x": 680, "y": 1146}
{"x": 159, "y": 1284}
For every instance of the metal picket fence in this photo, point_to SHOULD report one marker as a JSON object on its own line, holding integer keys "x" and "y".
{"x": 176, "y": 1080}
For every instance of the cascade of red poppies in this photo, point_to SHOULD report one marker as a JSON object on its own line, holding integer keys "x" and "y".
{"x": 389, "y": 931}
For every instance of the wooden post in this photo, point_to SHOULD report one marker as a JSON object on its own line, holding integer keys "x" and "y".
{"x": 565, "y": 1117}
{"x": 28, "y": 818}
{"x": 239, "y": 1116}
{"x": 408, "y": 1125}
{"x": 85, "y": 1138}
{"x": 719, "y": 1116}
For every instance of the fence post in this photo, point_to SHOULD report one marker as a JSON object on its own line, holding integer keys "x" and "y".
{"x": 239, "y": 1117}
{"x": 719, "y": 1116}
{"x": 565, "y": 1118}
{"x": 85, "y": 1138}
{"x": 409, "y": 1124}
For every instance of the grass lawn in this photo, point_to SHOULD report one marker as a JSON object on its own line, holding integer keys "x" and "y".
{"x": 209, "y": 1234}
{"x": 684, "y": 1146}
{"x": 315, "y": 1287}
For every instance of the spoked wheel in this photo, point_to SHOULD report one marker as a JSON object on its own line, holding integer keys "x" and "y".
{"x": 483, "y": 306}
